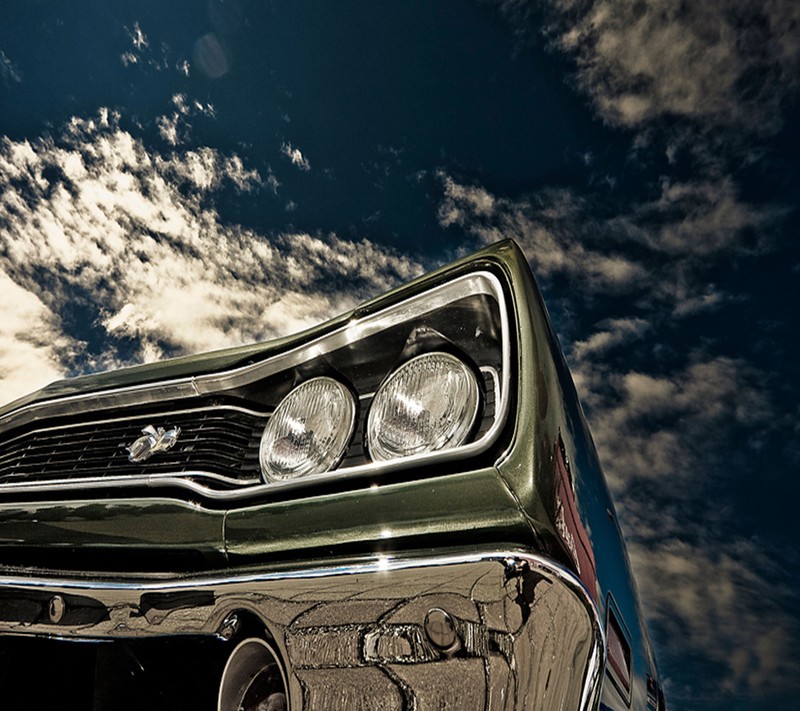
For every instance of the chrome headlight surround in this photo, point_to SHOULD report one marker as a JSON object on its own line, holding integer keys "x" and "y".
{"x": 466, "y": 317}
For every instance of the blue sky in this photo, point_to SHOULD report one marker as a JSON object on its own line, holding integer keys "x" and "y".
{"x": 176, "y": 177}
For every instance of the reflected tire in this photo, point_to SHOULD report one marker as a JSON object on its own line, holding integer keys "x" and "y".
{"x": 253, "y": 679}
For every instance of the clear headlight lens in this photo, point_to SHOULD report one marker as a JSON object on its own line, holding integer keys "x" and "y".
{"x": 428, "y": 404}
{"x": 309, "y": 431}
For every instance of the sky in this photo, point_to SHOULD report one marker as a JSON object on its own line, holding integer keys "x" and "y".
{"x": 184, "y": 176}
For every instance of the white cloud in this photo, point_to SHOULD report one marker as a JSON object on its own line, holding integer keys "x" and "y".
{"x": 615, "y": 332}
{"x": 729, "y": 62}
{"x": 296, "y": 156}
{"x": 97, "y": 213}
{"x": 140, "y": 44}
{"x": 32, "y": 345}
{"x": 147, "y": 55}
{"x": 174, "y": 128}
{"x": 138, "y": 38}
{"x": 129, "y": 58}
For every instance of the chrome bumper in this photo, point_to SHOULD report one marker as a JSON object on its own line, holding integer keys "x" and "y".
{"x": 511, "y": 630}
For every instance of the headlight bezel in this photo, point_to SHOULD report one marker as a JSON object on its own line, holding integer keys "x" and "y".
{"x": 315, "y": 358}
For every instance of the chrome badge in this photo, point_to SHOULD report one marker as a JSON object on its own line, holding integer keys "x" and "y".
{"x": 152, "y": 441}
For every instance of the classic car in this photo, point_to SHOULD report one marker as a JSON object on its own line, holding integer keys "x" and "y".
{"x": 401, "y": 508}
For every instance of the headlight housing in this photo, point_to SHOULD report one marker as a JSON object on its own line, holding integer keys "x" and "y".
{"x": 429, "y": 373}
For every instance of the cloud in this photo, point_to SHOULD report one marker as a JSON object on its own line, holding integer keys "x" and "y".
{"x": 8, "y": 70}
{"x": 95, "y": 223}
{"x": 548, "y": 226}
{"x": 726, "y": 63}
{"x": 651, "y": 426}
{"x": 32, "y": 345}
{"x": 174, "y": 128}
{"x": 150, "y": 55}
{"x": 138, "y": 38}
{"x": 139, "y": 42}
{"x": 296, "y": 156}
{"x": 724, "y": 603}
{"x": 614, "y": 333}
{"x": 699, "y": 218}
{"x": 657, "y": 250}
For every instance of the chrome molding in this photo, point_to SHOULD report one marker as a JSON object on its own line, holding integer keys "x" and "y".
{"x": 164, "y": 414}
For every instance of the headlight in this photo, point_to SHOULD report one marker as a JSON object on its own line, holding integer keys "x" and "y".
{"x": 309, "y": 431}
{"x": 428, "y": 404}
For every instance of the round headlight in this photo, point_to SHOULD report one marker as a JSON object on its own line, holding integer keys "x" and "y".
{"x": 429, "y": 403}
{"x": 309, "y": 431}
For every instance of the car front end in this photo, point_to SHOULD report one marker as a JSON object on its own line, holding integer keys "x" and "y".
{"x": 398, "y": 509}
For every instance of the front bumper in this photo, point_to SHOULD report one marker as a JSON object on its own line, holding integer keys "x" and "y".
{"x": 350, "y": 634}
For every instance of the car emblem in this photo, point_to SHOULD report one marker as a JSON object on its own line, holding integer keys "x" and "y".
{"x": 152, "y": 441}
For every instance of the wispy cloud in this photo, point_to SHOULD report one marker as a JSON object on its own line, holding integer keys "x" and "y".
{"x": 97, "y": 222}
{"x": 138, "y": 38}
{"x": 548, "y": 226}
{"x": 677, "y": 235}
{"x": 698, "y": 218}
{"x": 728, "y": 63}
{"x": 139, "y": 42}
{"x": 174, "y": 128}
{"x": 8, "y": 70}
{"x": 295, "y": 156}
{"x": 612, "y": 333}
{"x": 663, "y": 426}
{"x": 145, "y": 54}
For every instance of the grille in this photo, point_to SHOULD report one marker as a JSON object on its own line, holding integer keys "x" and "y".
{"x": 219, "y": 444}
